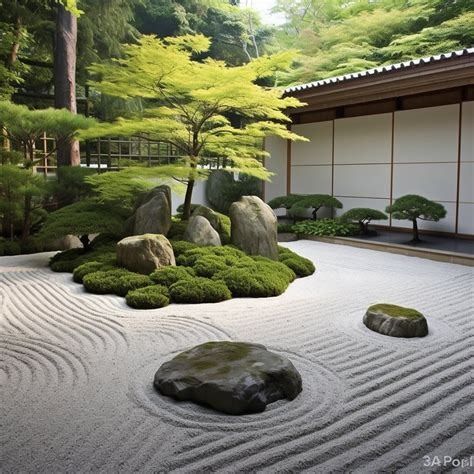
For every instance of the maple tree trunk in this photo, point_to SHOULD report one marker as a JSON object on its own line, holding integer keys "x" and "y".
{"x": 65, "y": 79}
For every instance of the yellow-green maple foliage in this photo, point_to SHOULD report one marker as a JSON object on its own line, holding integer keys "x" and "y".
{"x": 188, "y": 104}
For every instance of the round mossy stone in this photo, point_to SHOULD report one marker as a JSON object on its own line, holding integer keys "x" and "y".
{"x": 232, "y": 377}
{"x": 395, "y": 321}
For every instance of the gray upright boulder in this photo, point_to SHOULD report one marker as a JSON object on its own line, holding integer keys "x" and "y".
{"x": 153, "y": 213}
{"x": 145, "y": 253}
{"x": 254, "y": 227}
{"x": 200, "y": 231}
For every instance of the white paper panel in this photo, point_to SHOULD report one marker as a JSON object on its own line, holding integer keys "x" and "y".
{"x": 467, "y": 132}
{"x": 277, "y": 164}
{"x": 429, "y": 134}
{"x": 466, "y": 219}
{"x": 436, "y": 181}
{"x": 362, "y": 180}
{"x": 318, "y": 150}
{"x": 311, "y": 179}
{"x": 350, "y": 203}
{"x": 466, "y": 186}
{"x": 365, "y": 139}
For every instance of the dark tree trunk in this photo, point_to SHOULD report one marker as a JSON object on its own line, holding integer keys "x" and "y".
{"x": 85, "y": 241}
{"x": 25, "y": 232}
{"x": 362, "y": 227}
{"x": 416, "y": 236}
{"x": 65, "y": 79}
{"x": 187, "y": 200}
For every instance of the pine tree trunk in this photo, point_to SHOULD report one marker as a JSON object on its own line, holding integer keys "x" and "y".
{"x": 65, "y": 79}
{"x": 187, "y": 200}
{"x": 416, "y": 237}
{"x": 25, "y": 232}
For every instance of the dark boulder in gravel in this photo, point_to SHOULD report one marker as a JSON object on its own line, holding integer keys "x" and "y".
{"x": 395, "y": 321}
{"x": 232, "y": 377}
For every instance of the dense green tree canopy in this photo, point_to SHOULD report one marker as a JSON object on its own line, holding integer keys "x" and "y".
{"x": 337, "y": 37}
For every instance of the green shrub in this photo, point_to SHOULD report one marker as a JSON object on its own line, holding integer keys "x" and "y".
{"x": 325, "y": 228}
{"x": 229, "y": 253}
{"x": 117, "y": 281}
{"x": 68, "y": 260}
{"x": 181, "y": 246}
{"x": 257, "y": 277}
{"x": 254, "y": 284}
{"x": 177, "y": 229}
{"x": 148, "y": 297}
{"x": 208, "y": 265}
{"x": 104, "y": 240}
{"x": 31, "y": 245}
{"x": 199, "y": 290}
{"x": 301, "y": 266}
{"x": 224, "y": 231}
{"x": 168, "y": 275}
{"x": 10, "y": 247}
{"x": 89, "y": 267}
{"x": 285, "y": 228}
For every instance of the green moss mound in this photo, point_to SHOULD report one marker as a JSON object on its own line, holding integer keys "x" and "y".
{"x": 208, "y": 265}
{"x": 203, "y": 274}
{"x": 168, "y": 275}
{"x": 257, "y": 279}
{"x": 90, "y": 267}
{"x": 396, "y": 311}
{"x": 118, "y": 282}
{"x": 302, "y": 266}
{"x": 181, "y": 246}
{"x": 149, "y": 297}
{"x": 199, "y": 290}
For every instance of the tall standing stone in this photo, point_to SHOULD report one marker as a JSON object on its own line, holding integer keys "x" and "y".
{"x": 153, "y": 214}
{"x": 254, "y": 227}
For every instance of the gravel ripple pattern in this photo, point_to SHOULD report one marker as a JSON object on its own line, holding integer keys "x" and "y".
{"x": 76, "y": 373}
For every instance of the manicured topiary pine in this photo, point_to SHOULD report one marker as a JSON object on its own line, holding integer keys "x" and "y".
{"x": 82, "y": 218}
{"x": 363, "y": 216}
{"x": 298, "y": 204}
{"x": 413, "y": 207}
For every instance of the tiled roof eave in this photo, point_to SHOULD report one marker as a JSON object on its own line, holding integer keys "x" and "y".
{"x": 380, "y": 70}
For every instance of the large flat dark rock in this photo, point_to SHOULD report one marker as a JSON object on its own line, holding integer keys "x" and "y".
{"x": 231, "y": 377}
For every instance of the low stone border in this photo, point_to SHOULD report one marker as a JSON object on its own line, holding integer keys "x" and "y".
{"x": 437, "y": 255}
{"x": 287, "y": 237}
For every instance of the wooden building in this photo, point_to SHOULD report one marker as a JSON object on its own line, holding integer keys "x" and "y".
{"x": 376, "y": 135}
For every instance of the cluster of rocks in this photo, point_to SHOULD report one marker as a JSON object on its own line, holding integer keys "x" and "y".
{"x": 253, "y": 229}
